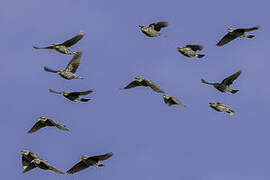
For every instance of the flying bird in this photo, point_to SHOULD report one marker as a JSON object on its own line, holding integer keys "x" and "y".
{"x": 74, "y": 96}
{"x": 224, "y": 86}
{"x": 140, "y": 81}
{"x": 171, "y": 100}
{"x": 28, "y": 157}
{"x": 64, "y": 47}
{"x": 221, "y": 107}
{"x": 190, "y": 50}
{"x": 153, "y": 29}
{"x": 69, "y": 72}
{"x": 42, "y": 164}
{"x": 87, "y": 161}
{"x": 44, "y": 121}
{"x": 236, "y": 33}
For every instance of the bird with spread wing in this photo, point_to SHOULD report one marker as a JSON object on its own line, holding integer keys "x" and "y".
{"x": 153, "y": 29}
{"x": 87, "y": 161}
{"x": 64, "y": 47}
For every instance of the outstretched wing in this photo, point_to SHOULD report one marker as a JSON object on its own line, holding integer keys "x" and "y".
{"x": 132, "y": 85}
{"x": 195, "y": 47}
{"x": 62, "y": 127}
{"x": 85, "y": 92}
{"x": 226, "y": 39}
{"x": 25, "y": 162}
{"x": 73, "y": 40}
{"x": 229, "y": 80}
{"x": 77, "y": 167}
{"x": 251, "y": 29}
{"x": 36, "y": 127}
{"x": 157, "y": 26}
{"x": 174, "y": 99}
{"x": 57, "y": 124}
{"x": 29, "y": 167}
{"x": 102, "y": 157}
{"x": 34, "y": 155}
{"x": 153, "y": 86}
{"x": 53, "y": 168}
{"x": 75, "y": 62}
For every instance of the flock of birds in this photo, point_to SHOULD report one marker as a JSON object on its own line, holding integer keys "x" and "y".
{"x": 31, "y": 160}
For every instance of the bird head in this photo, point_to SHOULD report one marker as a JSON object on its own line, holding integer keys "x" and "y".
{"x": 84, "y": 157}
{"x": 42, "y": 118}
{"x": 141, "y": 26}
{"x": 138, "y": 79}
{"x": 212, "y": 104}
{"x": 25, "y": 152}
{"x": 65, "y": 93}
{"x": 180, "y": 49}
{"x": 166, "y": 96}
{"x": 230, "y": 30}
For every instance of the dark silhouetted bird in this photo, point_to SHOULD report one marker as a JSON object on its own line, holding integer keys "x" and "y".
{"x": 28, "y": 157}
{"x": 43, "y": 122}
{"x": 73, "y": 96}
{"x": 190, "y": 51}
{"x": 87, "y": 161}
{"x": 42, "y": 164}
{"x": 235, "y": 33}
{"x": 64, "y": 47}
{"x": 224, "y": 86}
{"x": 171, "y": 100}
{"x": 153, "y": 29}
{"x": 140, "y": 81}
{"x": 69, "y": 72}
{"x": 218, "y": 106}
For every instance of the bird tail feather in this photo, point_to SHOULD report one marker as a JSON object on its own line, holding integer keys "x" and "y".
{"x": 50, "y": 70}
{"x": 35, "y": 47}
{"x": 205, "y": 82}
{"x": 53, "y": 91}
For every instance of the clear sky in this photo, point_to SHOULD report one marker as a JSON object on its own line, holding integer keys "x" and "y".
{"x": 149, "y": 139}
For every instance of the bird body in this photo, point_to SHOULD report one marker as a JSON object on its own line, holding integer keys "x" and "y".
{"x": 150, "y": 32}
{"x": 140, "y": 81}
{"x": 153, "y": 29}
{"x": 221, "y": 107}
{"x": 68, "y": 75}
{"x": 74, "y": 96}
{"x": 31, "y": 160}
{"x": 64, "y": 47}
{"x": 171, "y": 100}
{"x": 42, "y": 164}
{"x": 224, "y": 86}
{"x": 190, "y": 51}
{"x": 44, "y": 121}
{"x": 236, "y": 33}
{"x": 28, "y": 157}
{"x": 69, "y": 72}
{"x": 87, "y": 161}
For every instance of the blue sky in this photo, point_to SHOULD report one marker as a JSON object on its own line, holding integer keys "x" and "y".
{"x": 149, "y": 140}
